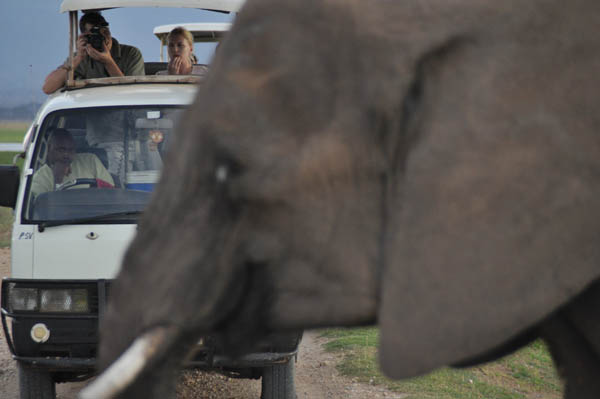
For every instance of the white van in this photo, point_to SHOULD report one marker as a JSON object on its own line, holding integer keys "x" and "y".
{"x": 68, "y": 239}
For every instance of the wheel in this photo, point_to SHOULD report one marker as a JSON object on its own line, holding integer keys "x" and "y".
{"x": 278, "y": 381}
{"x": 77, "y": 182}
{"x": 35, "y": 383}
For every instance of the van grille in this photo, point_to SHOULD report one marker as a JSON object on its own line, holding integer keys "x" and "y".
{"x": 99, "y": 296}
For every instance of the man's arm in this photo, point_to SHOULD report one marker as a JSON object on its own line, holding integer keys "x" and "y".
{"x": 106, "y": 58}
{"x": 42, "y": 181}
{"x": 57, "y": 78}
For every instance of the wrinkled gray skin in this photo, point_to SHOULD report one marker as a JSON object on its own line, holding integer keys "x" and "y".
{"x": 431, "y": 165}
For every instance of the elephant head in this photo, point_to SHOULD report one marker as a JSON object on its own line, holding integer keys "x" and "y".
{"x": 430, "y": 166}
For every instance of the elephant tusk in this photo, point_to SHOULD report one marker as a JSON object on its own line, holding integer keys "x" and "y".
{"x": 127, "y": 367}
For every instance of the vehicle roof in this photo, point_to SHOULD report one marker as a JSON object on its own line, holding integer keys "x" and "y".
{"x": 202, "y": 31}
{"x": 132, "y": 95}
{"x": 216, "y": 5}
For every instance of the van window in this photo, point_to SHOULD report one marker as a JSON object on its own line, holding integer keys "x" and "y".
{"x": 98, "y": 163}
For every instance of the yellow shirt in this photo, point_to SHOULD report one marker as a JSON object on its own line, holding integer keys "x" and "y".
{"x": 84, "y": 166}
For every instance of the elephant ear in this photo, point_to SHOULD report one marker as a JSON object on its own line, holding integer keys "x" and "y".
{"x": 495, "y": 222}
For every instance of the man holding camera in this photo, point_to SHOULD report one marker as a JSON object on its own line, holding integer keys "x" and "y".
{"x": 98, "y": 55}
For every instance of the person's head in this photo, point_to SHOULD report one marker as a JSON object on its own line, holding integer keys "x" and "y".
{"x": 90, "y": 20}
{"x": 61, "y": 146}
{"x": 180, "y": 43}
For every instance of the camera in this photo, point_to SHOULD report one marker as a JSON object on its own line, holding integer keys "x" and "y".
{"x": 96, "y": 39}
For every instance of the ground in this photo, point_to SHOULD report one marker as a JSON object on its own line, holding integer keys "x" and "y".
{"x": 316, "y": 375}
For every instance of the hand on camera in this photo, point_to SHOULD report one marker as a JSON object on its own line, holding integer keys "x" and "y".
{"x": 101, "y": 56}
{"x": 82, "y": 46}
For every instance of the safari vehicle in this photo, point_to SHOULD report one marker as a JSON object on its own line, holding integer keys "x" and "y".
{"x": 68, "y": 240}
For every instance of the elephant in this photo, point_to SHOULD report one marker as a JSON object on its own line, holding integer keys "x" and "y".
{"x": 429, "y": 166}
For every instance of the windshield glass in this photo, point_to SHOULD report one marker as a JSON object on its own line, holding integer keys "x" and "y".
{"x": 98, "y": 164}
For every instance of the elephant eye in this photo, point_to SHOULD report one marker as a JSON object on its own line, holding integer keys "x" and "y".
{"x": 226, "y": 168}
{"x": 221, "y": 173}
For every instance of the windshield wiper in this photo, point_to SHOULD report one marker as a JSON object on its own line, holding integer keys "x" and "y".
{"x": 108, "y": 216}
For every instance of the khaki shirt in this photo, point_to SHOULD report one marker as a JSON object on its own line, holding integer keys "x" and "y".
{"x": 128, "y": 58}
{"x": 84, "y": 166}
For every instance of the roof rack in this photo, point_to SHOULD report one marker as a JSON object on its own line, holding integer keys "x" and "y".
{"x": 130, "y": 80}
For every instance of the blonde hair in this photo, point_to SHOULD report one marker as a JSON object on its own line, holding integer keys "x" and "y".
{"x": 181, "y": 31}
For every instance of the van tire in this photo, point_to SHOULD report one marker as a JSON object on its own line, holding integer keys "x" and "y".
{"x": 278, "y": 381}
{"x": 35, "y": 383}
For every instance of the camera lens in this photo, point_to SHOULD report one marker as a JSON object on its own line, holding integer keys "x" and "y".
{"x": 95, "y": 38}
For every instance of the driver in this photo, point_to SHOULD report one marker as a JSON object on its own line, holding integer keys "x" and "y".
{"x": 64, "y": 165}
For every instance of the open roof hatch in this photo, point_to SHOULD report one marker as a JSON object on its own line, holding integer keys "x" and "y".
{"x": 73, "y": 6}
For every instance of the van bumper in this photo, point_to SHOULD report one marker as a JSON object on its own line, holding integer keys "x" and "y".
{"x": 73, "y": 341}
{"x": 72, "y": 364}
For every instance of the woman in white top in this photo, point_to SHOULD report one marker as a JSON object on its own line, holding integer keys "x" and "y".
{"x": 180, "y": 47}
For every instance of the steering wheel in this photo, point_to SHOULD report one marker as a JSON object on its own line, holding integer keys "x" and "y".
{"x": 77, "y": 182}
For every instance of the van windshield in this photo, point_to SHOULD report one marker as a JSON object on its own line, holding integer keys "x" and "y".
{"x": 97, "y": 164}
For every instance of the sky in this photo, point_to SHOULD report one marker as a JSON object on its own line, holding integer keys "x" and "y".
{"x": 35, "y": 40}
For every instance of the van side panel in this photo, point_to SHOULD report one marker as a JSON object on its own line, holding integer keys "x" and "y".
{"x": 21, "y": 251}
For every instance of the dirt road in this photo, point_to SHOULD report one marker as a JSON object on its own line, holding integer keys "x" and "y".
{"x": 316, "y": 375}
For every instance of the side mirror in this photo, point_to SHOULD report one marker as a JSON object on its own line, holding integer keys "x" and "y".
{"x": 9, "y": 185}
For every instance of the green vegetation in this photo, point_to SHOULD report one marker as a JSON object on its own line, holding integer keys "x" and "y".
{"x": 6, "y": 218}
{"x": 6, "y": 215}
{"x": 12, "y": 132}
{"x": 525, "y": 374}
{"x": 6, "y": 158}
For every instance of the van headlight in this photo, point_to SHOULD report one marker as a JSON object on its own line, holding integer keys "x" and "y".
{"x": 48, "y": 300}
{"x": 22, "y": 299}
{"x": 65, "y": 300}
